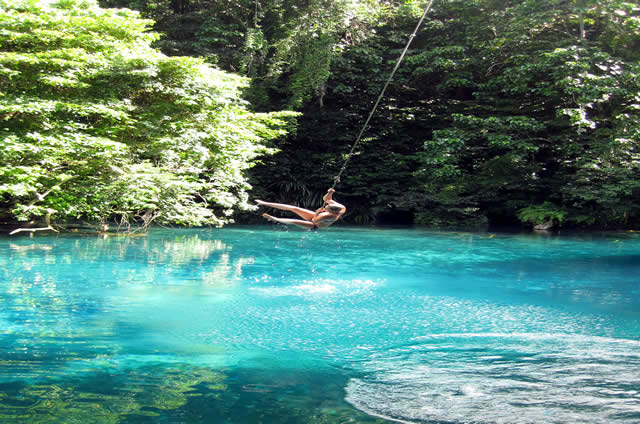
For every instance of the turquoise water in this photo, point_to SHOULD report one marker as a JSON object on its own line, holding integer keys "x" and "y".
{"x": 347, "y": 325}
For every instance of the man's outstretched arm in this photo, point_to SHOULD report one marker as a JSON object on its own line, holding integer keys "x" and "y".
{"x": 329, "y": 196}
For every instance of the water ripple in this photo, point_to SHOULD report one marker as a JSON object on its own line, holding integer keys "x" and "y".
{"x": 503, "y": 378}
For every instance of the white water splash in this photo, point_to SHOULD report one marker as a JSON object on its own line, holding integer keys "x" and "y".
{"x": 497, "y": 378}
{"x": 318, "y": 287}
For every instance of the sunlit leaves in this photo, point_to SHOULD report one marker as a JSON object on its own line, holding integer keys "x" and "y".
{"x": 498, "y": 106}
{"x": 98, "y": 125}
{"x": 540, "y": 214}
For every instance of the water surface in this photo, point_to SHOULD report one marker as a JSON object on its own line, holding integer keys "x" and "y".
{"x": 264, "y": 325}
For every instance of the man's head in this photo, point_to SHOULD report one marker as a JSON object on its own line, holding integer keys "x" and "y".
{"x": 334, "y": 208}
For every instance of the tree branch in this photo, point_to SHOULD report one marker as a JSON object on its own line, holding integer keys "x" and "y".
{"x": 32, "y": 230}
{"x": 47, "y": 220}
{"x": 47, "y": 217}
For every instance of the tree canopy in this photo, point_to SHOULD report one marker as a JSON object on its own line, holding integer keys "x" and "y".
{"x": 503, "y": 111}
{"x": 97, "y": 124}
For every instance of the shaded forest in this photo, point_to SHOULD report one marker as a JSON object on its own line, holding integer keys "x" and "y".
{"x": 503, "y": 112}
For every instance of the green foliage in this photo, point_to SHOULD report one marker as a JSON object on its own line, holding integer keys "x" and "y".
{"x": 539, "y": 214}
{"x": 568, "y": 93}
{"x": 99, "y": 125}
{"x": 286, "y": 46}
{"x": 497, "y": 106}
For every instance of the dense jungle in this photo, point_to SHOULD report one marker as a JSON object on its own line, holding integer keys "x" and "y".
{"x": 180, "y": 112}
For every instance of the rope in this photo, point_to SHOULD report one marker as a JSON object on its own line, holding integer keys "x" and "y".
{"x": 336, "y": 179}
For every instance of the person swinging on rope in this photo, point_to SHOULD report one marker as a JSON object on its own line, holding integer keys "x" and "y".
{"x": 321, "y": 218}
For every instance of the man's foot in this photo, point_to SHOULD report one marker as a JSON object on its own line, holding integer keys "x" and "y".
{"x": 269, "y": 217}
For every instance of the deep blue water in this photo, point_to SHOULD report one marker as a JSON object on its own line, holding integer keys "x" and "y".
{"x": 346, "y": 325}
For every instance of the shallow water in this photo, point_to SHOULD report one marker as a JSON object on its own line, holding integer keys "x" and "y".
{"x": 264, "y": 325}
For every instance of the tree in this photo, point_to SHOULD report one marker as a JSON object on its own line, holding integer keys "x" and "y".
{"x": 553, "y": 114}
{"x": 99, "y": 125}
{"x": 499, "y": 107}
{"x": 286, "y": 47}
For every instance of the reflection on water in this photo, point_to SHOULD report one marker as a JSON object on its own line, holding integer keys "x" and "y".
{"x": 244, "y": 325}
{"x": 45, "y": 265}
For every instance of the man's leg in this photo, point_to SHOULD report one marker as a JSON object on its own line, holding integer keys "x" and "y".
{"x": 301, "y": 212}
{"x": 298, "y": 222}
